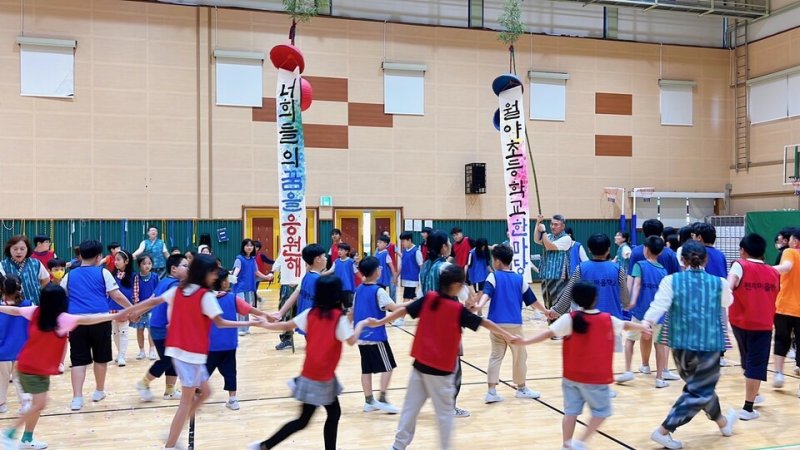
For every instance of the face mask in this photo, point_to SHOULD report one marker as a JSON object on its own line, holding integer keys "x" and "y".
{"x": 58, "y": 274}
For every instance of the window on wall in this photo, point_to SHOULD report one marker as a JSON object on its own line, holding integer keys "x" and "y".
{"x": 774, "y": 96}
{"x": 47, "y": 67}
{"x": 676, "y": 102}
{"x": 548, "y": 91}
{"x": 239, "y": 78}
{"x": 404, "y": 88}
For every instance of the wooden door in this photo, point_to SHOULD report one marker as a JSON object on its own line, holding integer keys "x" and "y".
{"x": 264, "y": 231}
{"x": 351, "y": 228}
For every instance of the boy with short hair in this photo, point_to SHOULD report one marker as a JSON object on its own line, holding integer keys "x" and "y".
{"x": 41, "y": 249}
{"x": 423, "y": 246}
{"x": 508, "y": 293}
{"x": 388, "y": 271}
{"x": 57, "y": 268}
{"x": 373, "y": 343}
{"x": 336, "y": 238}
{"x": 314, "y": 257}
{"x": 755, "y": 288}
{"x": 108, "y": 261}
{"x": 461, "y": 247}
{"x": 410, "y": 263}
{"x": 344, "y": 268}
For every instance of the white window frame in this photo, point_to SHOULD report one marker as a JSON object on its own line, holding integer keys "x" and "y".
{"x": 239, "y": 78}
{"x": 676, "y": 102}
{"x": 548, "y": 96}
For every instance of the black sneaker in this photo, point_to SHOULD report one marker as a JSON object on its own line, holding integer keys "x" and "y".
{"x": 283, "y": 345}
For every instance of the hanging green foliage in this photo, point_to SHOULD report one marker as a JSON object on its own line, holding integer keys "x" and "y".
{"x": 511, "y": 20}
{"x": 304, "y": 10}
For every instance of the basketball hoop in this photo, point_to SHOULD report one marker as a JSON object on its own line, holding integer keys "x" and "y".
{"x": 611, "y": 194}
{"x": 646, "y": 194}
{"x": 796, "y": 185}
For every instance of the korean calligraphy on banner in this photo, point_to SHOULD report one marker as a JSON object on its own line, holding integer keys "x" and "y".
{"x": 291, "y": 176}
{"x": 515, "y": 176}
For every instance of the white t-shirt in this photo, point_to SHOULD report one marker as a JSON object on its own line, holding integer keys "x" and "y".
{"x": 563, "y": 326}
{"x": 43, "y": 273}
{"x": 210, "y": 308}
{"x": 343, "y": 328}
{"x": 111, "y": 283}
{"x": 563, "y": 243}
{"x": 419, "y": 261}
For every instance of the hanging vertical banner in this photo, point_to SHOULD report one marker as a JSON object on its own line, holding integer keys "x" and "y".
{"x": 515, "y": 177}
{"x": 291, "y": 176}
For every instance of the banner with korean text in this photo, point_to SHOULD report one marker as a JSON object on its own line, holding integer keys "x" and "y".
{"x": 515, "y": 177}
{"x": 291, "y": 177}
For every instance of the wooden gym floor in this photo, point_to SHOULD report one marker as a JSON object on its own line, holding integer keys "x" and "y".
{"x": 122, "y": 421}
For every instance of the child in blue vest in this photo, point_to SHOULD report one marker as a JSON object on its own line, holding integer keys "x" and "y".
{"x": 386, "y": 260}
{"x": 373, "y": 343}
{"x": 435, "y": 350}
{"x": 410, "y": 262}
{"x": 647, "y": 275}
{"x": 344, "y": 268}
{"x": 224, "y": 341}
{"x": 246, "y": 274}
{"x": 588, "y": 354}
{"x": 177, "y": 268}
{"x": 478, "y": 265}
{"x": 508, "y": 293}
{"x": 13, "y": 334}
{"x": 694, "y": 300}
{"x": 607, "y": 276}
{"x": 314, "y": 257}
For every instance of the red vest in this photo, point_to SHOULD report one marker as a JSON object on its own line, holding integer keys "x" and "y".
{"x": 323, "y": 349}
{"x": 188, "y": 328}
{"x": 461, "y": 250}
{"x": 588, "y": 357}
{"x": 754, "y": 299}
{"x": 41, "y": 355}
{"x": 438, "y": 333}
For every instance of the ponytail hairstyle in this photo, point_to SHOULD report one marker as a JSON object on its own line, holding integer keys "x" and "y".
{"x": 52, "y": 303}
{"x": 482, "y": 249}
{"x": 452, "y": 274}
{"x": 436, "y": 240}
{"x": 11, "y": 288}
{"x": 329, "y": 296}
{"x": 585, "y": 295}
{"x": 693, "y": 254}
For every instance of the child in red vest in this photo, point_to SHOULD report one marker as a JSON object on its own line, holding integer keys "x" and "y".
{"x": 41, "y": 355}
{"x": 755, "y": 288}
{"x": 435, "y": 351}
{"x": 192, "y": 309}
{"x": 326, "y": 326}
{"x": 588, "y": 353}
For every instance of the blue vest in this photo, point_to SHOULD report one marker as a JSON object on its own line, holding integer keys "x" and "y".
{"x": 553, "y": 262}
{"x": 695, "y": 317}
{"x": 716, "y": 264}
{"x": 668, "y": 258}
{"x": 621, "y": 261}
{"x": 223, "y": 339}
{"x": 365, "y": 305}
{"x": 605, "y": 276}
{"x": 147, "y": 288}
{"x": 13, "y": 334}
{"x": 126, "y": 291}
{"x": 86, "y": 291}
{"x": 409, "y": 269}
{"x": 478, "y": 270}
{"x": 247, "y": 275}
{"x": 158, "y": 315}
{"x": 386, "y": 273}
{"x": 574, "y": 257}
{"x": 650, "y": 279}
{"x": 506, "y": 304}
{"x": 158, "y": 255}
{"x": 29, "y": 275}
{"x": 344, "y": 271}
{"x": 308, "y": 290}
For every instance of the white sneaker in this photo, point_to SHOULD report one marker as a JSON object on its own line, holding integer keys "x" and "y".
{"x": 668, "y": 375}
{"x": 144, "y": 392}
{"x": 232, "y": 404}
{"x": 61, "y": 368}
{"x": 369, "y": 407}
{"x": 153, "y": 354}
{"x": 791, "y": 354}
{"x": 537, "y": 315}
{"x": 612, "y": 393}
{"x": 759, "y": 400}
{"x": 645, "y": 370}
{"x": 98, "y": 395}
{"x": 778, "y": 380}
{"x": 458, "y": 412}
{"x": 747, "y": 415}
{"x": 3, "y": 408}
{"x": 254, "y": 446}
{"x": 76, "y": 404}
{"x": 140, "y": 356}
{"x": 661, "y": 384}
{"x": 527, "y": 392}
{"x": 665, "y": 440}
{"x": 730, "y": 421}
{"x": 624, "y": 377}
{"x": 176, "y": 395}
{"x": 386, "y": 407}
{"x": 723, "y": 362}
{"x": 399, "y": 322}
{"x": 33, "y": 444}
{"x": 492, "y": 398}
{"x": 242, "y": 333}
{"x": 577, "y": 445}
{"x": 121, "y": 361}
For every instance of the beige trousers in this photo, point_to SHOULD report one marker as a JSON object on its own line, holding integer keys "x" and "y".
{"x": 519, "y": 356}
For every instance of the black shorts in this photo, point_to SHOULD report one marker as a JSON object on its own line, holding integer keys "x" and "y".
{"x": 478, "y": 286}
{"x": 347, "y": 299}
{"x": 409, "y": 293}
{"x": 376, "y": 358}
{"x": 754, "y": 347}
{"x": 90, "y": 343}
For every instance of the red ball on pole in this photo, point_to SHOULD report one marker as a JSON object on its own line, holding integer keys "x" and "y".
{"x": 306, "y": 94}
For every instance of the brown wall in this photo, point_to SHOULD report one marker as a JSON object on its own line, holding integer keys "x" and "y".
{"x": 142, "y": 137}
{"x": 761, "y": 187}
